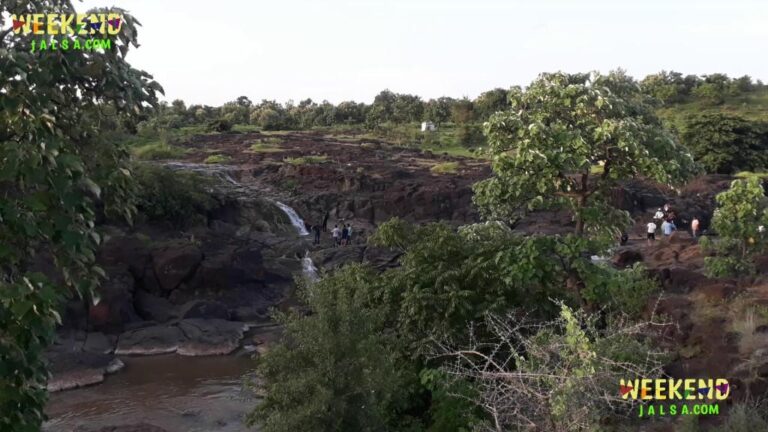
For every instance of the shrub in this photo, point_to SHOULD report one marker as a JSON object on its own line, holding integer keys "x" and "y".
{"x": 157, "y": 151}
{"x": 622, "y": 291}
{"x": 164, "y": 195}
{"x": 445, "y": 168}
{"x": 217, "y": 159}
{"x": 306, "y": 160}
{"x": 219, "y": 125}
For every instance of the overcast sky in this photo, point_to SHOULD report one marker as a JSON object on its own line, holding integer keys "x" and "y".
{"x": 212, "y": 51}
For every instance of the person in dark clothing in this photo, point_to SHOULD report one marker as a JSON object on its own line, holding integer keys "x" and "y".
{"x": 316, "y": 230}
{"x": 624, "y": 238}
{"x": 325, "y": 221}
{"x": 344, "y": 236}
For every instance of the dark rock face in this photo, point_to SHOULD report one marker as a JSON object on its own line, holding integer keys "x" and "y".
{"x": 175, "y": 262}
{"x": 72, "y": 368}
{"x": 115, "y": 307}
{"x": 207, "y": 309}
{"x": 153, "y": 308}
{"x": 141, "y": 427}
{"x": 627, "y": 258}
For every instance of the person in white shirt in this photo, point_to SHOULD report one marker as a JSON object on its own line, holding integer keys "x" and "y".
{"x": 336, "y": 234}
{"x": 659, "y": 215}
{"x": 651, "y": 231}
{"x": 695, "y": 224}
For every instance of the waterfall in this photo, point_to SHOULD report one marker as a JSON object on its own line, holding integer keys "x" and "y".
{"x": 296, "y": 221}
{"x": 309, "y": 269}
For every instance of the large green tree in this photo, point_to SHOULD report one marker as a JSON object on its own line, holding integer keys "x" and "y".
{"x": 55, "y": 166}
{"x": 726, "y": 143}
{"x": 567, "y": 140}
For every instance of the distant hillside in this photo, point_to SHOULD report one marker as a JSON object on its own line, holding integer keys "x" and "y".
{"x": 752, "y": 106}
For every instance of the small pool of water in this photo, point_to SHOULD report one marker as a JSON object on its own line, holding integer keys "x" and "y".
{"x": 184, "y": 394}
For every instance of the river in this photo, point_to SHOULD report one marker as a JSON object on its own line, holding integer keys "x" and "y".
{"x": 191, "y": 394}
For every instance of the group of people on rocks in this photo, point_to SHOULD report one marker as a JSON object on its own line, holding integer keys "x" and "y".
{"x": 341, "y": 236}
{"x": 665, "y": 219}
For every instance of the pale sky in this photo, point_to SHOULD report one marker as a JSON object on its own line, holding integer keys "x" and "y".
{"x": 213, "y": 51}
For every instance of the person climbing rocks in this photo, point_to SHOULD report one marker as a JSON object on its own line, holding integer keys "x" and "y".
{"x": 624, "y": 238}
{"x": 325, "y": 221}
{"x": 659, "y": 215}
{"x": 667, "y": 228}
{"x": 344, "y": 235}
{"x": 695, "y": 227}
{"x": 666, "y": 208}
{"x": 316, "y": 229}
{"x": 349, "y": 233}
{"x": 651, "y": 231}
{"x": 336, "y": 234}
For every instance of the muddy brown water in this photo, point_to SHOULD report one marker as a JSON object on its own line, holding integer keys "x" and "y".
{"x": 175, "y": 393}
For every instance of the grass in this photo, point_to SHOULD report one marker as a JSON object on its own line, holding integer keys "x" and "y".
{"x": 750, "y": 174}
{"x": 264, "y": 148}
{"x": 245, "y": 128}
{"x": 445, "y": 168}
{"x": 752, "y": 106}
{"x": 157, "y": 150}
{"x": 306, "y": 160}
{"x": 217, "y": 159}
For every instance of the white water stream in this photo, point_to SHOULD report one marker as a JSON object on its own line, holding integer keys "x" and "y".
{"x": 296, "y": 221}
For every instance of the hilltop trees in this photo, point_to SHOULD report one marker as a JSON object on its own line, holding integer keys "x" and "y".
{"x": 725, "y": 143}
{"x": 55, "y": 165}
{"x": 741, "y": 211}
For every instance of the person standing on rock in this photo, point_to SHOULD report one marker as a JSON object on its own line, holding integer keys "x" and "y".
{"x": 325, "y": 221}
{"x": 344, "y": 235}
{"x": 667, "y": 228}
{"x": 316, "y": 229}
{"x": 695, "y": 227}
{"x": 651, "y": 231}
{"x": 336, "y": 234}
{"x": 349, "y": 233}
{"x": 659, "y": 215}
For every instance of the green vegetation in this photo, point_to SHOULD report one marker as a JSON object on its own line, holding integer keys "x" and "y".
{"x": 445, "y": 168}
{"x": 741, "y": 211}
{"x": 724, "y": 143}
{"x": 543, "y": 155}
{"x": 164, "y": 195}
{"x": 57, "y": 170}
{"x": 306, "y": 160}
{"x": 217, "y": 159}
{"x": 157, "y": 151}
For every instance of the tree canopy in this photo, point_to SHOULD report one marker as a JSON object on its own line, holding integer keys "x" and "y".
{"x": 567, "y": 140}
{"x": 725, "y": 143}
{"x": 55, "y": 166}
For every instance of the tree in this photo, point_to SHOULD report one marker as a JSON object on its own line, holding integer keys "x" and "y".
{"x": 741, "y": 211}
{"x": 438, "y": 110}
{"x": 462, "y": 111}
{"x": 714, "y": 89}
{"x": 491, "y": 102}
{"x": 340, "y": 368}
{"x": 725, "y": 143}
{"x": 547, "y": 146}
{"x": 664, "y": 86}
{"x": 407, "y": 108}
{"x": 55, "y": 166}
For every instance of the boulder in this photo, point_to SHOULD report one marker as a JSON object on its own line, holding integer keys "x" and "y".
{"x": 129, "y": 251}
{"x": 115, "y": 306}
{"x": 627, "y": 258}
{"x": 153, "y": 308}
{"x": 99, "y": 343}
{"x": 78, "y": 369}
{"x": 210, "y": 337}
{"x": 175, "y": 262}
{"x": 150, "y": 341}
{"x": 206, "y": 309}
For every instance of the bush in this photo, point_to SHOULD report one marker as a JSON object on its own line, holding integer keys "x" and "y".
{"x": 623, "y": 291}
{"x": 470, "y": 135}
{"x": 157, "y": 151}
{"x": 217, "y": 159}
{"x": 219, "y": 125}
{"x": 306, "y": 160}
{"x": 164, "y": 195}
{"x": 445, "y": 168}
{"x": 338, "y": 369}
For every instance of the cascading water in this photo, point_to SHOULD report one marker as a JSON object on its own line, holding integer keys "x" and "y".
{"x": 296, "y": 221}
{"x": 309, "y": 269}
